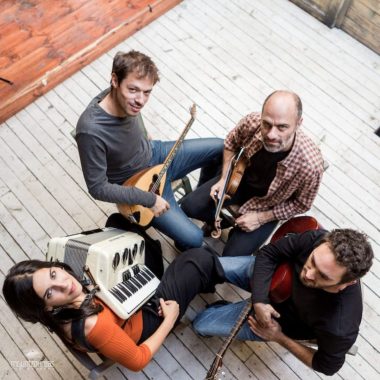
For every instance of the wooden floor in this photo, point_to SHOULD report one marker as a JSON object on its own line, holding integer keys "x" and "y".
{"x": 226, "y": 55}
{"x": 43, "y": 43}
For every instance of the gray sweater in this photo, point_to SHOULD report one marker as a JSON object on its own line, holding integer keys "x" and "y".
{"x": 111, "y": 150}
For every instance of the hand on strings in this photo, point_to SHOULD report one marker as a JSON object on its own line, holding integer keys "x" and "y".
{"x": 264, "y": 313}
{"x": 248, "y": 222}
{"x": 217, "y": 189}
{"x": 272, "y": 332}
{"x": 160, "y": 206}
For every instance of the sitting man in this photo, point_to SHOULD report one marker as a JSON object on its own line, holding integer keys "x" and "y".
{"x": 284, "y": 170}
{"x": 113, "y": 145}
{"x": 325, "y": 302}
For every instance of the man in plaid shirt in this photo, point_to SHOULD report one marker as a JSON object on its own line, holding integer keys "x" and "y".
{"x": 282, "y": 177}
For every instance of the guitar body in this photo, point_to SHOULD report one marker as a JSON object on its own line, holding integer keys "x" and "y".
{"x": 281, "y": 285}
{"x": 143, "y": 180}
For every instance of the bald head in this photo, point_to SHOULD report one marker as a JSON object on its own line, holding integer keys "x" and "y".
{"x": 280, "y": 118}
{"x": 288, "y": 99}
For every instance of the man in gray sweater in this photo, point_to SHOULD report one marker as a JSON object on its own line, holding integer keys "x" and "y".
{"x": 114, "y": 145}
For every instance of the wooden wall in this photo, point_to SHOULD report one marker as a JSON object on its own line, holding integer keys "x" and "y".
{"x": 358, "y": 18}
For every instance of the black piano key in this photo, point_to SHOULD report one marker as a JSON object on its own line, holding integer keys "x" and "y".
{"x": 118, "y": 295}
{"x": 136, "y": 283}
{"x": 131, "y": 287}
{"x": 143, "y": 274}
{"x": 148, "y": 273}
{"x": 141, "y": 278}
{"x": 124, "y": 289}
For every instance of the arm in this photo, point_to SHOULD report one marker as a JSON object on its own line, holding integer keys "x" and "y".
{"x": 329, "y": 357}
{"x": 94, "y": 165}
{"x": 170, "y": 311}
{"x": 114, "y": 343}
{"x": 218, "y": 187}
{"x": 274, "y": 333}
{"x": 237, "y": 138}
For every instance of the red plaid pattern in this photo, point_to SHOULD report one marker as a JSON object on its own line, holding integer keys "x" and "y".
{"x": 298, "y": 176}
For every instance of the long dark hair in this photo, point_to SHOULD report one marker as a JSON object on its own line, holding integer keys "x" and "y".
{"x": 23, "y": 300}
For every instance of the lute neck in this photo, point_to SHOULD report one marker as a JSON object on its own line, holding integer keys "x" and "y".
{"x": 173, "y": 151}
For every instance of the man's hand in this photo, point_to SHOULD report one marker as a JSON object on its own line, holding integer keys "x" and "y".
{"x": 160, "y": 206}
{"x": 216, "y": 190}
{"x": 272, "y": 332}
{"x": 264, "y": 314}
{"x": 248, "y": 222}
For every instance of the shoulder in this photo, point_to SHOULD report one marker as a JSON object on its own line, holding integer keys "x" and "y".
{"x": 90, "y": 323}
{"x": 92, "y": 115}
{"x": 308, "y": 151}
{"x": 252, "y": 120}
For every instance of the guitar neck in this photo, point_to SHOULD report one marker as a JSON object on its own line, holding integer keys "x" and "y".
{"x": 242, "y": 317}
{"x": 217, "y": 363}
{"x": 172, "y": 153}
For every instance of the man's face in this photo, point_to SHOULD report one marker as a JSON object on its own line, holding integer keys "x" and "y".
{"x": 322, "y": 271}
{"x": 131, "y": 94}
{"x": 279, "y": 123}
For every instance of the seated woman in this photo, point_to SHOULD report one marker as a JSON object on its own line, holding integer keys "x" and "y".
{"x": 49, "y": 293}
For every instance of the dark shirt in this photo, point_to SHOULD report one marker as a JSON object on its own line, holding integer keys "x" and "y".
{"x": 111, "y": 150}
{"x": 261, "y": 171}
{"x": 333, "y": 319}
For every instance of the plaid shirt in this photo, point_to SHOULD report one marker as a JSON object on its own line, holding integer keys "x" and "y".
{"x": 298, "y": 176}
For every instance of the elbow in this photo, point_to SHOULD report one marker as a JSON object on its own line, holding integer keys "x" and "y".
{"x": 95, "y": 193}
{"x": 329, "y": 372}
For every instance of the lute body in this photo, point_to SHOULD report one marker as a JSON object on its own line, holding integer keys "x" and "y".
{"x": 152, "y": 180}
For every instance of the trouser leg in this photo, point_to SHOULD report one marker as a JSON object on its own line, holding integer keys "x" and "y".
{"x": 242, "y": 243}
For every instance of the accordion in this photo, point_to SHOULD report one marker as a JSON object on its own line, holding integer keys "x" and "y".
{"x": 115, "y": 259}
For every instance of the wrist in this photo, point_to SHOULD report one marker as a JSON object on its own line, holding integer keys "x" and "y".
{"x": 265, "y": 216}
{"x": 281, "y": 339}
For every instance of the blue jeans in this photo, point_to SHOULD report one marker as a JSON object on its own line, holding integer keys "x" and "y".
{"x": 192, "y": 154}
{"x": 219, "y": 320}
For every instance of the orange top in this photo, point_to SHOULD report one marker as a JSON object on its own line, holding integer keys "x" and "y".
{"x": 120, "y": 344}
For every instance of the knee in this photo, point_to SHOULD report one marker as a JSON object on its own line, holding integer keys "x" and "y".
{"x": 200, "y": 324}
{"x": 190, "y": 239}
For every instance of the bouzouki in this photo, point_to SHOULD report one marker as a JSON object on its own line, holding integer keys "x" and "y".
{"x": 153, "y": 180}
{"x": 280, "y": 287}
{"x": 234, "y": 175}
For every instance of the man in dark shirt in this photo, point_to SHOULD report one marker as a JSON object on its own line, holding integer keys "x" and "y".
{"x": 113, "y": 146}
{"x": 281, "y": 180}
{"x": 325, "y": 303}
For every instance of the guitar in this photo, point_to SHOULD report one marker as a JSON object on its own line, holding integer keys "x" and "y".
{"x": 280, "y": 287}
{"x": 153, "y": 180}
{"x": 234, "y": 175}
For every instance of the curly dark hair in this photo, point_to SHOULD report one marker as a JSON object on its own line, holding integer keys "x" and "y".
{"x": 134, "y": 62}
{"x": 352, "y": 250}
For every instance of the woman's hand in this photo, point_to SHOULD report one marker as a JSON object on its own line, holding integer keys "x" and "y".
{"x": 168, "y": 310}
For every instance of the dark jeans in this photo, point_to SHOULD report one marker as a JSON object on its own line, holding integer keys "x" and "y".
{"x": 199, "y": 205}
{"x": 194, "y": 271}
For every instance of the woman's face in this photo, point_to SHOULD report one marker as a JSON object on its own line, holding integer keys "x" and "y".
{"x": 57, "y": 287}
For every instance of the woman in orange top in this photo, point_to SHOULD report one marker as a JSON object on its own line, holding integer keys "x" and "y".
{"x": 49, "y": 293}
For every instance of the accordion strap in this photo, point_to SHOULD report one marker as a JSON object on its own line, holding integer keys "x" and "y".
{"x": 77, "y": 328}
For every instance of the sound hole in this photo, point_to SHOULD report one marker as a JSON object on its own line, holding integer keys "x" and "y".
{"x": 154, "y": 179}
{"x": 137, "y": 216}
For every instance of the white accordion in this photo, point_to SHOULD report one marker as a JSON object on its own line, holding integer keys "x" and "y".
{"x": 115, "y": 259}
